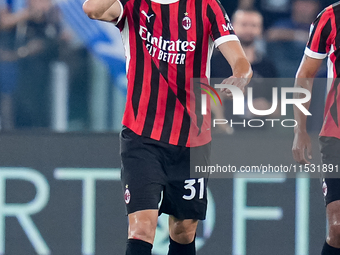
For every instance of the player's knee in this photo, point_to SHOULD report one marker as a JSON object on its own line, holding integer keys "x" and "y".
{"x": 144, "y": 230}
{"x": 183, "y": 233}
{"x": 184, "y": 237}
{"x": 334, "y": 234}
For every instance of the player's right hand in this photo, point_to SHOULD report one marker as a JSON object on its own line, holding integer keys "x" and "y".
{"x": 241, "y": 83}
{"x": 302, "y": 146}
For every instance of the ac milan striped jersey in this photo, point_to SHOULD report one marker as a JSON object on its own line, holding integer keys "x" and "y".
{"x": 167, "y": 43}
{"x": 325, "y": 41}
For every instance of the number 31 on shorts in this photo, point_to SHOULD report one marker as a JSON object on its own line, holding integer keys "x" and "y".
{"x": 190, "y": 186}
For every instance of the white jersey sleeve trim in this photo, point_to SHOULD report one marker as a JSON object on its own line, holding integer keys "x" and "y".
{"x": 121, "y": 13}
{"x": 315, "y": 55}
{"x": 225, "y": 38}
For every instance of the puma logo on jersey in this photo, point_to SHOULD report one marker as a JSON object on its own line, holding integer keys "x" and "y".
{"x": 147, "y": 17}
{"x": 227, "y": 27}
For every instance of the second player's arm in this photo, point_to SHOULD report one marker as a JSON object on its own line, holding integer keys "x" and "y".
{"x": 242, "y": 72}
{"x": 106, "y": 10}
{"x": 304, "y": 79}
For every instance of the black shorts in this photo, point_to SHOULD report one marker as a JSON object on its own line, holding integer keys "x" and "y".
{"x": 330, "y": 154}
{"x": 156, "y": 175}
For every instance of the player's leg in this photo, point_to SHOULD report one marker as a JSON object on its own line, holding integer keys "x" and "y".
{"x": 332, "y": 245}
{"x": 141, "y": 178}
{"x": 186, "y": 206}
{"x": 182, "y": 231}
{"x": 330, "y": 148}
{"x": 185, "y": 197}
{"x": 182, "y": 236}
{"x": 142, "y": 229}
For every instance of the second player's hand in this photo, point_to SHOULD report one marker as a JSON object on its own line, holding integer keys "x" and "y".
{"x": 240, "y": 83}
{"x": 302, "y": 146}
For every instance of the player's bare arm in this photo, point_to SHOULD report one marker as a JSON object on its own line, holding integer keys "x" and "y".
{"x": 106, "y": 10}
{"x": 241, "y": 67}
{"x": 304, "y": 79}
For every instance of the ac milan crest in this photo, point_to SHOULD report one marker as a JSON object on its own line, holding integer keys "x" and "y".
{"x": 324, "y": 188}
{"x": 127, "y": 196}
{"x": 186, "y": 22}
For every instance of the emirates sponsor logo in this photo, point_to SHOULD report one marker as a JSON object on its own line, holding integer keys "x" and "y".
{"x": 166, "y": 50}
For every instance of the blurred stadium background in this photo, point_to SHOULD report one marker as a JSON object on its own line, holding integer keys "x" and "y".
{"x": 62, "y": 96}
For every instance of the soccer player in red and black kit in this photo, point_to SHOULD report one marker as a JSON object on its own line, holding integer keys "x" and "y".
{"x": 167, "y": 42}
{"x": 324, "y": 41}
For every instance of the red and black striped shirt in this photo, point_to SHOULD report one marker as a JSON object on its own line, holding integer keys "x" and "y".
{"x": 325, "y": 41}
{"x": 167, "y": 43}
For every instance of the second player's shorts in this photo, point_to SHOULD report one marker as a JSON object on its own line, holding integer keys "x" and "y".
{"x": 330, "y": 153}
{"x": 156, "y": 175}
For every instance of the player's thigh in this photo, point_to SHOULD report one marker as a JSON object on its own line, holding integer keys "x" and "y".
{"x": 141, "y": 173}
{"x": 185, "y": 197}
{"x": 330, "y": 148}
